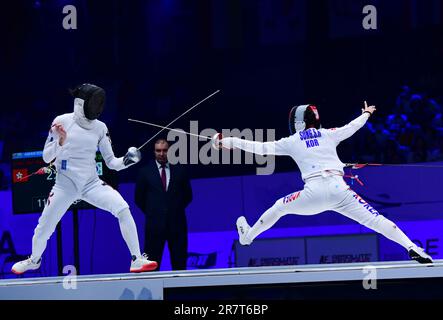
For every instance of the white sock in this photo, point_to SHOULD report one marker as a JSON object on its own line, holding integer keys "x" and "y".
{"x": 129, "y": 232}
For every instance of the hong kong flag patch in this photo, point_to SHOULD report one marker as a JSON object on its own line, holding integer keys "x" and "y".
{"x": 19, "y": 175}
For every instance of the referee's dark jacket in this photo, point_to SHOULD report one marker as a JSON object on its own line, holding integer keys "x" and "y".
{"x": 165, "y": 212}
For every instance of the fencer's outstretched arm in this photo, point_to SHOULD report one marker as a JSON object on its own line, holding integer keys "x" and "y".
{"x": 342, "y": 133}
{"x": 279, "y": 148}
{"x": 105, "y": 147}
{"x": 52, "y": 145}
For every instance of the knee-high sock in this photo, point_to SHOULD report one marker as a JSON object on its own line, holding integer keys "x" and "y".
{"x": 266, "y": 221}
{"x": 129, "y": 232}
{"x": 390, "y": 230}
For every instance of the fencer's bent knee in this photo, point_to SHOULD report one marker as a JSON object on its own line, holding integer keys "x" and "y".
{"x": 122, "y": 213}
{"x": 118, "y": 207}
{"x": 278, "y": 207}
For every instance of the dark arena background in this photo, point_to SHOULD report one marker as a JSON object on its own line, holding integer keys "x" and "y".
{"x": 158, "y": 58}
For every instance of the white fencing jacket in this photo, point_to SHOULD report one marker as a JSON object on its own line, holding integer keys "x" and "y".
{"x": 76, "y": 158}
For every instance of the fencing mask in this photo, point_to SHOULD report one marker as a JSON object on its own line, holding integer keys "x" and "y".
{"x": 302, "y": 117}
{"x": 93, "y": 97}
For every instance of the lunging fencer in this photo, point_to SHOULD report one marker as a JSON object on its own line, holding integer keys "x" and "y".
{"x": 72, "y": 143}
{"x": 314, "y": 150}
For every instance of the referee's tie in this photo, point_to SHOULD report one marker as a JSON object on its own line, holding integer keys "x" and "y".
{"x": 163, "y": 176}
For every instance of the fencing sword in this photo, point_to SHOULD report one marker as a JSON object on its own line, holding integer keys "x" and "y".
{"x": 169, "y": 124}
{"x": 166, "y": 128}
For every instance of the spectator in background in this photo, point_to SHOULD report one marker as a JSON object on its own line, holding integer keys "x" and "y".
{"x": 432, "y": 107}
{"x": 163, "y": 192}
{"x": 403, "y": 102}
{"x": 417, "y": 106}
{"x": 381, "y": 134}
{"x": 406, "y": 137}
{"x": 397, "y": 122}
{"x": 437, "y": 153}
{"x": 419, "y": 150}
{"x": 424, "y": 110}
{"x": 414, "y": 129}
{"x": 437, "y": 122}
{"x": 394, "y": 153}
{"x": 430, "y": 135}
{"x": 366, "y": 145}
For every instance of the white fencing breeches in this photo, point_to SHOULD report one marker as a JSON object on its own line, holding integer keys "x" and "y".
{"x": 329, "y": 193}
{"x": 97, "y": 193}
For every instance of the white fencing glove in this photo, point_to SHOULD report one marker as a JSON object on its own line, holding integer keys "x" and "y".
{"x": 132, "y": 156}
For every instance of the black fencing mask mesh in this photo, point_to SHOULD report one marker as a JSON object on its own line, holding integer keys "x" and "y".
{"x": 93, "y": 97}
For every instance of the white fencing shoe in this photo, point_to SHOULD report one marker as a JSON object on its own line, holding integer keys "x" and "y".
{"x": 418, "y": 254}
{"x": 243, "y": 229}
{"x": 26, "y": 265}
{"x": 142, "y": 264}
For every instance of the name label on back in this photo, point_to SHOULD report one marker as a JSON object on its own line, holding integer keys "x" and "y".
{"x": 310, "y": 137}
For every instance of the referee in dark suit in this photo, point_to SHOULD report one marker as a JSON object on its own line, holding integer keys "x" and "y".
{"x": 163, "y": 192}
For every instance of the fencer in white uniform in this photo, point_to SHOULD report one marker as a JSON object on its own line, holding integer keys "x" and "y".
{"x": 314, "y": 151}
{"x": 72, "y": 144}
